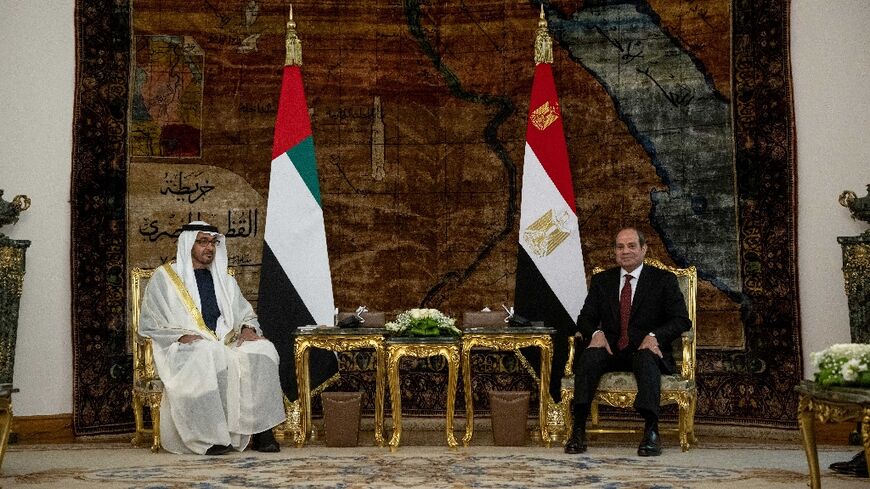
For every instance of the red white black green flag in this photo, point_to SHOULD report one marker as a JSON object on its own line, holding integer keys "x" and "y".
{"x": 295, "y": 280}
{"x": 550, "y": 280}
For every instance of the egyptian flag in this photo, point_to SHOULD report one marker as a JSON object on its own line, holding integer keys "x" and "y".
{"x": 295, "y": 282}
{"x": 550, "y": 281}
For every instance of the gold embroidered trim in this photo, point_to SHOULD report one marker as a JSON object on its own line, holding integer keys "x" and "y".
{"x": 188, "y": 300}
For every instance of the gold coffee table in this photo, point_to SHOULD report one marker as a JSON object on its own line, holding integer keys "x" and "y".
{"x": 831, "y": 404}
{"x": 335, "y": 339}
{"x": 398, "y": 347}
{"x": 507, "y": 338}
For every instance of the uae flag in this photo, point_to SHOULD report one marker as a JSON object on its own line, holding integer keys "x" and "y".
{"x": 550, "y": 281}
{"x": 295, "y": 282}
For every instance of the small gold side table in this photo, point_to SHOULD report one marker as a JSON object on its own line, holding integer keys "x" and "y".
{"x": 830, "y": 404}
{"x": 335, "y": 339}
{"x": 398, "y": 347}
{"x": 508, "y": 339}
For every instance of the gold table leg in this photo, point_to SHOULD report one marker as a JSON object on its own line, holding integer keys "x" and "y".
{"x": 393, "y": 357}
{"x": 806, "y": 419}
{"x": 865, "y": 436}
{"x": 452, "y": 356}
{"x": 380, "y": 371}
{"x": 304, "y": 392}
{"x": 544, "y": 393}
{"x": 5, "y": 426}
{"x": 469, "y": 398}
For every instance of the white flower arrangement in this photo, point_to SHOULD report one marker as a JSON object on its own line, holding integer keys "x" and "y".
{"x": 423, "y": 322}
{"x": 843, "y": 364}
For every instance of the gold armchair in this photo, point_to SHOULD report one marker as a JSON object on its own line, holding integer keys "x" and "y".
{"x": 147, "y": 386}
{"x": 619, "y": 389}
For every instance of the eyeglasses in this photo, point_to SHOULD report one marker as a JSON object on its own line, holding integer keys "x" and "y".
{"x": 205, "y": 242}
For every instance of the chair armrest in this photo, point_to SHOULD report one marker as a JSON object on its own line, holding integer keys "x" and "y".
{"x": 687, "y": 369}
{"x": 569, "y": 365}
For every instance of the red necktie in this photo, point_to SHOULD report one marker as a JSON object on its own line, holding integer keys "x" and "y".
{"x": 624, "y": 312}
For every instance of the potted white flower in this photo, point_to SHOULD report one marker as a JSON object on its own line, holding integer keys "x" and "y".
{"x": 423, "y": 322}
{"x": 846, "y": 364}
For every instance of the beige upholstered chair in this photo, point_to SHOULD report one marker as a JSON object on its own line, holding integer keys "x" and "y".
{"x": 147, "y": 386}
{"x": 619, "y": 389}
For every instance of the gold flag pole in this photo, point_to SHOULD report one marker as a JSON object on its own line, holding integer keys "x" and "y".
{"x": 543, "y": 42}
{"x": 294, "y": 45}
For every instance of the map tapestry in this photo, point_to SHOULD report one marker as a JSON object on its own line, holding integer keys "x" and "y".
{"x": 678, "y": 119}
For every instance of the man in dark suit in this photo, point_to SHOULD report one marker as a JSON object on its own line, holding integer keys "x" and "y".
{"x": 630, "y": 323}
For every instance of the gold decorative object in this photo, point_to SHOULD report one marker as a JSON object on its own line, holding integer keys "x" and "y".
{"x": 422, "y": 348}
{"x": 504, "y": 339}
{"x": 293, "y": 56}
{"x": 835, "y": 405}
{"x": 338, "y": 340}
{"x": 543, "y": 42}
{"x": 859, "y": 207}
{"x": 619, "y": 389}
{"x": 9, "y": 211}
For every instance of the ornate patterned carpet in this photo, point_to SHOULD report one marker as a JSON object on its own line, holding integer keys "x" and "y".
{"x": 119, "y": 466}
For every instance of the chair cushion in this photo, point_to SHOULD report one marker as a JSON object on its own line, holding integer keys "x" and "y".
{"x": 624, "y": 381}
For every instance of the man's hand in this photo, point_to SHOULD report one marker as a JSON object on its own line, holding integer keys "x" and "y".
{"x": 189, "y": 338}
{"x": 599, "y": 340}
{"x": 652, "y": 344}
{"x": 247, "y": 334}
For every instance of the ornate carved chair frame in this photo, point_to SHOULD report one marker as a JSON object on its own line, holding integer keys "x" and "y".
{"x": 147, "y": 386}
{"x": 619, "y": 389}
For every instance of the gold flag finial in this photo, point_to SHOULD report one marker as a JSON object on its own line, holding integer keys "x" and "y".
{"x": 294, "y": 45}
{"x": 543, "y": 43}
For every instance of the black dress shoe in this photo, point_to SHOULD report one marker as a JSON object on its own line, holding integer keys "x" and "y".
{"x": 857, "y": 466}
{"x": 218, "y": 449}
{"x": 265, "y": 442}
{"x": 577, "y": 442}
{"x": 651, "y": 445}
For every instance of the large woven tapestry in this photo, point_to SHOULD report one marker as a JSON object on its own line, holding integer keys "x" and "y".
{"x": 678, "y": 118}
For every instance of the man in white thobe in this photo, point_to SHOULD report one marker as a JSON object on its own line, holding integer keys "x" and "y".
{"x": 220, "y": 375}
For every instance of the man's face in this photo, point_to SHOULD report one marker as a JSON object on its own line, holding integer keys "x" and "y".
{"x": 203, "y": 250}
{"x": 629, "y": 252}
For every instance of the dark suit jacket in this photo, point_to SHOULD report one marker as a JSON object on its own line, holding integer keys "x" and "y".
{"x": 658, "y": 306}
